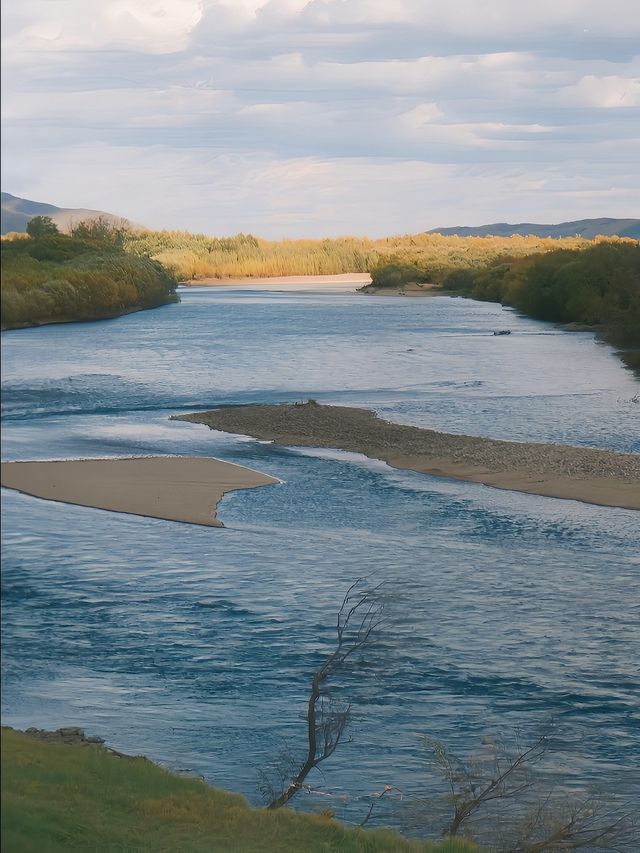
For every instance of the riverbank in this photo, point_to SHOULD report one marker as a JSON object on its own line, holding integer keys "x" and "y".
{"x": 87, "y": 276}
{"x": 111, "y": 315}
{"x": 66, "y": 792}
{"x": 561, "y": 471}
{"x": 173, "y": 488}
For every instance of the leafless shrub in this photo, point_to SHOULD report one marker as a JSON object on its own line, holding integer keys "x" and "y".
{"x": 516, "y": 809}
{"x": 497, "y": 775}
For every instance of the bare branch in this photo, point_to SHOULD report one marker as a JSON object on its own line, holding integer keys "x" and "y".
{"x": 548, "y": 825}
{"x": 359, "y": 615}
{"x": 468, "y": 796}
{"x": 377, "y": 797}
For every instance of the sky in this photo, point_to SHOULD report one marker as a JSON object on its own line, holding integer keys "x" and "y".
{"x": 312, "y": 118}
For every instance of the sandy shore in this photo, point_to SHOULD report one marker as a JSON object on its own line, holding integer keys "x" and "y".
{"x": 559, "y": 471}
{"x": 356, "y": 278}
{"x": 412, "y": 289}
{"x": 175, "y": 488}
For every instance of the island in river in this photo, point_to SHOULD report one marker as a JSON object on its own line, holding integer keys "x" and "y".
{"x": 174, "y": 488}
{"x": 560, "y": 471}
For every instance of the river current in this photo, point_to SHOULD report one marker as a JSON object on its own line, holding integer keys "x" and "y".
{"x": 195, "y": 645}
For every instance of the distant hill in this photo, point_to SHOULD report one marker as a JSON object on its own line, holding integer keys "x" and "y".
{"x": 587, "y": 228}
{"x": 16, "y": 212}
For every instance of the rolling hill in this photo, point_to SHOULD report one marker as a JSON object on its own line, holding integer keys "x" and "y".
{"x": 587, "y": 228}
{"x": 16, "y": 212}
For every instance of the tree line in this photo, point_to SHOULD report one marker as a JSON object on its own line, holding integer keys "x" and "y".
{"x": 86, "y": 275}
{"x": 597, "y": 285}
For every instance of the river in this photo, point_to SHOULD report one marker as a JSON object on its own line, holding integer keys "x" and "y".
{"x": 195, "y": 645}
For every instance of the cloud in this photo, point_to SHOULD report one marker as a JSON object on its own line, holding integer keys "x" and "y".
{"x": 402, "y": 106}
{"x": 153, "y": 26}
{"x": 603, "y": 92}
{"x": 224, "y": 191}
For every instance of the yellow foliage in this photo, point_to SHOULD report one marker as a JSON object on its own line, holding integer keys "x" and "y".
{"x": 195, "y": 256}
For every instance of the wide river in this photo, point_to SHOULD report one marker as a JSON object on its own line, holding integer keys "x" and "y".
{"x": 195, "y": 645}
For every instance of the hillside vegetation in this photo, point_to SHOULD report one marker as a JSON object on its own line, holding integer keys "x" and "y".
{"x": 55, "y": 277}
{"x": 195, "y": 256}
{"x": 58, "y": 797}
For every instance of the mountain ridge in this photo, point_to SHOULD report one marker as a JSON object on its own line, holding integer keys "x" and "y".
{"x": 17, "y": 211}
{"x": 587, "y": 228}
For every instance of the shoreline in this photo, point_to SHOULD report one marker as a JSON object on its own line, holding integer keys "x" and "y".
{"x": 590, "y": 475}
{"x": 187, "y": 489}
{"x": 411, "y": 289}
{"x": 58, "y": 321}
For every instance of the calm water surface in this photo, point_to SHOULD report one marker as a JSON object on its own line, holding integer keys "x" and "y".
{"x": 195, "y": 645}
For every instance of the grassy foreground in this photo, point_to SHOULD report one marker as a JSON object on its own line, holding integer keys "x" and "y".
{"x": 59, "y": 797}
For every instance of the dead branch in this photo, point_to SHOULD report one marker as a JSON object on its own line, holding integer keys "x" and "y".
{"x": 359, "y": 616}
{"x": 470, "y": 792}
{"x": 583, "y": 824}
{"x": 377, "y": 797}
{"x": 550, "y": 824}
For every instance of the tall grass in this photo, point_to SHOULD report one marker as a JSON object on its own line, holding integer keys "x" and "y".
{"x": 194, "y": 256}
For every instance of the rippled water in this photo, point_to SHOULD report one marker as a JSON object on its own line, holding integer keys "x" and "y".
{"x": 195, "y": 645}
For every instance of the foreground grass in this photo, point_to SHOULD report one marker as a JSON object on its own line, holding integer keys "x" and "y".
{"x": 59, "y": 797}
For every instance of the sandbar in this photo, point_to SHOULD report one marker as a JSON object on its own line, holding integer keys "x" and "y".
{"x": 355, "y": 278}
{"x": 409, "y": 289}
{"x": 585, "y": 474}
{"x": 174, "y": 488}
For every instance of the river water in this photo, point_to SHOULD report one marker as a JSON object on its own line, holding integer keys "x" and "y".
{"x": 195, "y": 645}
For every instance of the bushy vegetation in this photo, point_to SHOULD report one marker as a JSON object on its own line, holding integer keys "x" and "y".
{"x": 60, "y": 797}
{"x": 598, "y": 286}
{"x": 87, "y": 275}
{"x": 194, "y": 256}
{"x": 456, "y": 262}
{"x": 594, "y": 284}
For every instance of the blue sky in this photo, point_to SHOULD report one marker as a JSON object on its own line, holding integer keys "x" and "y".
{"x": 295, "y": 118}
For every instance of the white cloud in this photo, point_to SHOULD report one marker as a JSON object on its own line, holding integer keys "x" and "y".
{"x": 603, "y": 92}
{"x": 310, "y": 116}
{"x": 153, "y": 26}
{"x": 492, "y": 18}
{"x": 226, "y": 192}
{"x": 421, "y": 115}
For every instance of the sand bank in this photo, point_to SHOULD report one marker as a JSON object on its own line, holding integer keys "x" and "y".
{"x": 356, "y": 278}
{"x": 555, "y": 470}
{"x": 412, "y": 289}
{"x": 175, "y": 488}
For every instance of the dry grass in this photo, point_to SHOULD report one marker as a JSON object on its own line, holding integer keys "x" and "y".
{"x": 196, "y": 256}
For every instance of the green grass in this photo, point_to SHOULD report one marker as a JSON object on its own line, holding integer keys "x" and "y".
{"x": 60, "y": 797}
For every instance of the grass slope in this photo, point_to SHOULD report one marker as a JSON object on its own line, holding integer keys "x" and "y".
{"x": 60, "y": 797}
